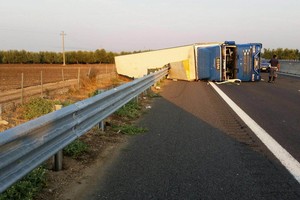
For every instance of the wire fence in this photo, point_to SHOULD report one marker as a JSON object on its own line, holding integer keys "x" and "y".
{"x": 19, "y": 83}
{"x": 17, "y": 76}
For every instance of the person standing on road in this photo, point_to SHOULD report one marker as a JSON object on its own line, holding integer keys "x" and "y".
{"x": 274, "y": 68}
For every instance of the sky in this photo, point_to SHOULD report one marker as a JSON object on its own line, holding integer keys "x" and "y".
{"x": 133, "y": 25}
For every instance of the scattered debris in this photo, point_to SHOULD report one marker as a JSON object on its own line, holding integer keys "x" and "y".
{"x": 236, "y": 81}
{"x": 3, "y": 122}
{"x": 148, "y": 107}
{"x": 57, "y": 107}
{"x": 157, "y": 87}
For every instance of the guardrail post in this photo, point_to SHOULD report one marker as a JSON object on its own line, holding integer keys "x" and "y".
{"x": 101, "y": 125}
{"x": 58, "y": 160}
{"x": 146, "y": 91}
{"x": 58, "y": 157}
{"x": 137, "y": 99}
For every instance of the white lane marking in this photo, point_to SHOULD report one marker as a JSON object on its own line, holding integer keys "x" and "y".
{"x": 288, "y": 161}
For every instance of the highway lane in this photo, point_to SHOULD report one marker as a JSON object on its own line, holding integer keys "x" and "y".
{"x": 275, "y": 107}
{"x": 191, "y": 152}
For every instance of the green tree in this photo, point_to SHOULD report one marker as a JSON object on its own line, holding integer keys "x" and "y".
{"x": 100, "y": 55}
{"x": 110, "y": 58}
{"x": 286, "y": 54}
{"x": 8, "y": 57}
{"x": 72, "y": 57}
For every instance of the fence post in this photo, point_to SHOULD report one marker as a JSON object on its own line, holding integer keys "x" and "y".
{"x": 62, "y": 75}
{"x": 41, "y": 83}
{"x": 78, "y": 76}
{"x": 58, "y": 157}
{"x": 22, "y": 87}
{"x": 1, "y": 120}
{"x": 89, "y": 73}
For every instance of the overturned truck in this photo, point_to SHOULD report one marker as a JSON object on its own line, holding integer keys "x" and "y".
{"x": 202, "y": 61}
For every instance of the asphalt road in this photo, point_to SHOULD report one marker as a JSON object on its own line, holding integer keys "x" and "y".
{"x": 196, "y": 148}
{"x": 275, "y": 107}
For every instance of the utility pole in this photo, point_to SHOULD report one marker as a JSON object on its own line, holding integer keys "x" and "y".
{"x": 63, "y": 47}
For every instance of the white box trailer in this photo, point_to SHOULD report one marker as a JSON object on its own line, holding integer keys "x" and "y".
{"x": 181, "y": 59}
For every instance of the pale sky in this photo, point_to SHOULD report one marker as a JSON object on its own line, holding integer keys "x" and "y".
{"x": 129, "y": 25}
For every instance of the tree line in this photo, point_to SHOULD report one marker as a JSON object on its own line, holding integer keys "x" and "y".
{"x": 282, "y": 54}
{"x": 103, "y": 56}
{"x": 46, "y": 57}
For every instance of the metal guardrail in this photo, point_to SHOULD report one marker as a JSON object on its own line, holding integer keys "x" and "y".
{"x": 290, "y": 67}
{"x": 28, "y": 145}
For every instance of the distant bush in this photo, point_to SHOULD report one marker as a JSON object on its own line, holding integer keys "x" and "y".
{"x": 37, "y": 107}
{"x": 46, "y": 57}
{"x": 63, "y": 103}
{"x": 96, "y": 92}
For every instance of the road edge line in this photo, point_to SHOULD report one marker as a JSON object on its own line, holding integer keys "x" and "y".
{"x": 288, "y": 161}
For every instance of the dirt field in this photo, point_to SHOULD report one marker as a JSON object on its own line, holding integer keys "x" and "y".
{"x": 35, "y": 74}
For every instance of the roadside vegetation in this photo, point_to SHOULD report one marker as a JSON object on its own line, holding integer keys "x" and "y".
{"x": 82, "y": 149}
{"x": 76, "y": 148}
{"x": 28, "y": 187}
{"x": 129, "y": 129}
{"x": 36, "y": 107}
{"x": 131, "y": 111}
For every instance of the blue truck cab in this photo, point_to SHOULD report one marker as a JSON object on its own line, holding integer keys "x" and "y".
{"x": 224, "y": 61}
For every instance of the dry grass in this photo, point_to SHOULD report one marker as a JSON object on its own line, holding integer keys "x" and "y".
{"x": 87, "y": 87}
